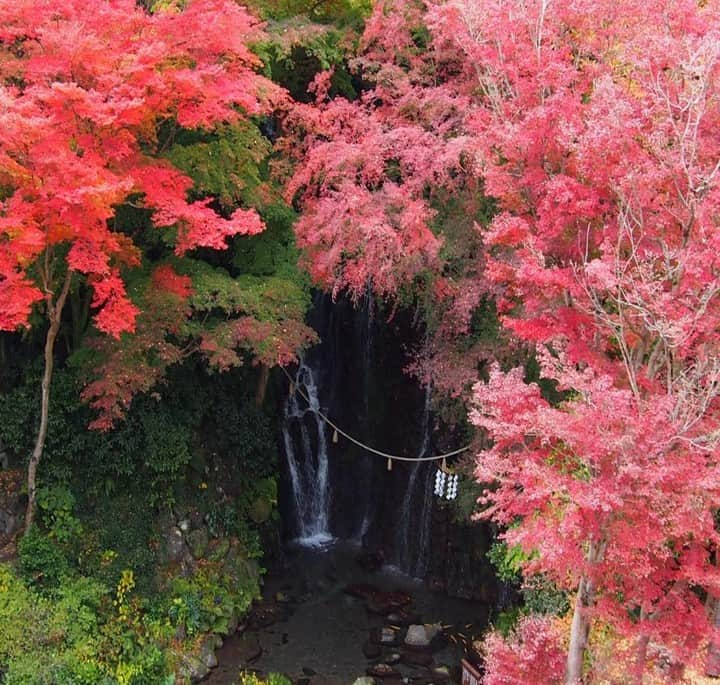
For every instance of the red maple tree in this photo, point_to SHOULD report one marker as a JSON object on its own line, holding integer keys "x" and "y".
{"x": 594, "y": 127}
{"x": 83, "y": 91}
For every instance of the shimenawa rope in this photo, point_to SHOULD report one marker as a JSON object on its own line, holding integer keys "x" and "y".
{"x": 349, "y": 437}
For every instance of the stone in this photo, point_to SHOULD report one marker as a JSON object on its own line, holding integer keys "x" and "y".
{"x": 403, "y": 617}
{"x": 379, "y": 604}
{"x": 393, "y": 658}
{"x": 193, "y": 668}
{"x": 198, "y": 541}
{"x": 432, "y": 630}
{"x": 417, "y": 636}
{"x": 415, "y": 657}
{"x": 173, "y": 548}
{"x": 247, "y": 648}
{"x": 398, "y": 599}
{"x": 207, "y": 652}
{"x": 388, "y": 636}
{"x": 382, "y": 671}
{"x": 365, "y": 680}
{"x": 383, "y": 636}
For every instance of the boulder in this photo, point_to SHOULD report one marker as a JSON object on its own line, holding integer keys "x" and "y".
{"x": 193, "y": 668}
{"x": 383, "y": 636}
{"x": 417, "y": 636}
{"x": 207, "y": 652}
{"x": 415, "y": 657}
{"x": 382, "y": 671}
{"x": 247, "y": 648}
{"x": 173, "y": 546}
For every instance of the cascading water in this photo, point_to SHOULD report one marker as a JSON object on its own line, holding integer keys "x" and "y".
{"x": 413, "y": 526}
{"x": 365, "y": 479}
{"x": 307, "y": 460}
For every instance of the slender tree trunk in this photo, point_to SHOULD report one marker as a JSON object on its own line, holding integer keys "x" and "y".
{"x": 580, "y": 627}
{"x": 712, "y": 667}
{"x": 54, "y": 311}
{"x": 579, "y": 632}
{"x": 262, "y": 384}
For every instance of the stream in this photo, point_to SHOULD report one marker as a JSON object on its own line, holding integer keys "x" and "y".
{"x": 313, "y": 627}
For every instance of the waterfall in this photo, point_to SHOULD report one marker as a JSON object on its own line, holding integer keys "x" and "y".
{"x": 413, "y": 526}
{"x": 307, "y": 460}
{"x": 365, "y": 476}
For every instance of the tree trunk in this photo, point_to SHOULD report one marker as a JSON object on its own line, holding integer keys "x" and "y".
{"x": 580, "y": 628}
{"x": 579, "y": 632}
{"x": 712, "y": 667}
{"x": 54, "y": 311}
{"x": 262, "y": 384}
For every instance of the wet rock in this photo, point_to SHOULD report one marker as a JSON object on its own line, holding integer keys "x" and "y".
{"x": 248, "y": 648}
{"x": 417, "y": 636}
{"x": 379, "y": 604}
{"x": 416, "y": 657}
{"x": 404, "y": 617}
{"x": 398, "y": 599}
{"x": 364, "y": 681}
{"x": 383, "y": 636}
{"x": 382, "y": 671}
{"x": 371, "y": 650}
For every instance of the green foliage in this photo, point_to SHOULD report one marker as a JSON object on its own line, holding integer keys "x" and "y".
{"x": 540, "y": 596}
{"x": 41, "y": 561}
{"x": 225, "y": 164}
{"x": 78, "y": 635}
{"x": 508, "y": 561}
{"x": 122, "y": 539}
{"x": 543, "y": 597}
{"x": 207, "y": 600}
{"x": 57, "y": 507}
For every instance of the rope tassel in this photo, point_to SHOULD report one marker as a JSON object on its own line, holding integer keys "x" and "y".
{"x": 335, "y": 437}
{"x": 389, "y": 464}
